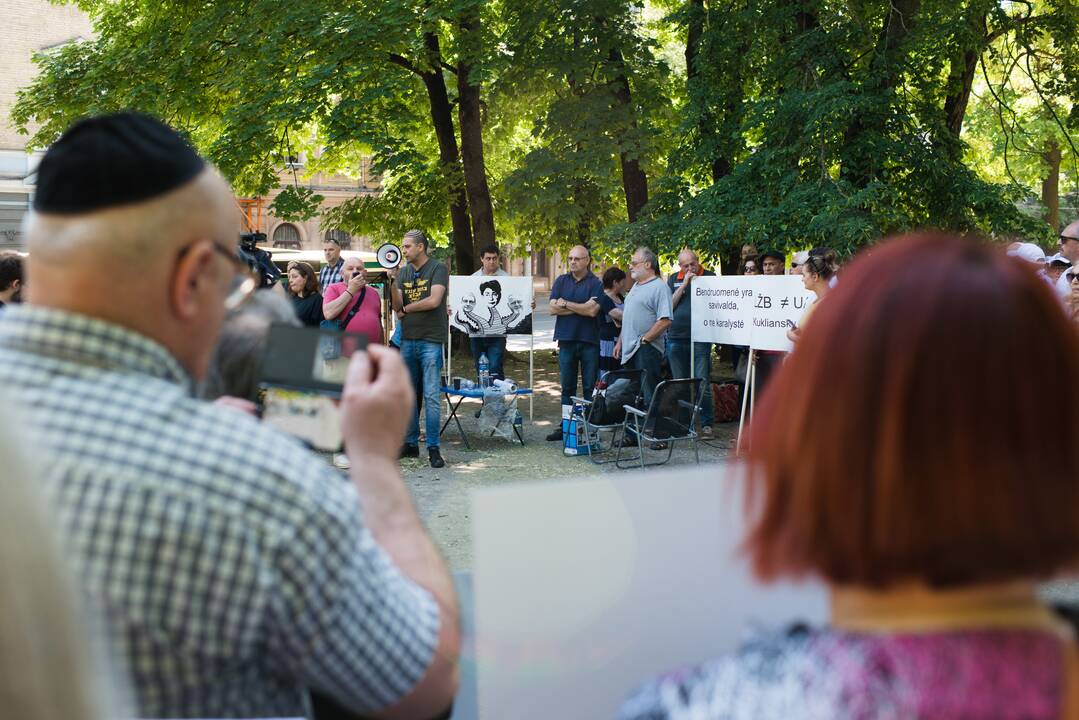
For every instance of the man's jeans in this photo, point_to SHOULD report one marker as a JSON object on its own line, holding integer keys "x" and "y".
{"x": 574, "y": 355}
{"x": 650, "y": 359}
{"x": 678, "y": 357}
{"x": 495, "y": 347}
{"x": 424, "y": 362}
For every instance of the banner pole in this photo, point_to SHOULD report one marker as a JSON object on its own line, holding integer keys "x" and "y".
{"x": 531, "y": 371}
{"x": 693, "y": 367}
{"x": 750, "y": 378}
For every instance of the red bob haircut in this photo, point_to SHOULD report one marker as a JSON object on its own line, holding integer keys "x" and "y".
{"x": 926, "y": 428}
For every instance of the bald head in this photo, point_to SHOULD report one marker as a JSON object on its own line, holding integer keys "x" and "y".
{"x": 579, "y": 259}
{"x": 150, "y": 266}
{"x": 1069, "y": 242}
{"x": 138, "y": 234}
{"x": 688, "y": 262}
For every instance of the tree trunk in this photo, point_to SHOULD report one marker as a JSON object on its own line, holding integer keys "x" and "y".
{"x": 442, "y": 118}
{"x": 468, "y": 109}
{"x": 634, "y": 180}
{"x": 961, "y": 81}
{"x": 1051, "y": 155}
{"x": 707, "y": 123}
{"x": 860, "y": 166}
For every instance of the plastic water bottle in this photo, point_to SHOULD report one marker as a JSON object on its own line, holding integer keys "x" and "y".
{"x": 485, "y": 371}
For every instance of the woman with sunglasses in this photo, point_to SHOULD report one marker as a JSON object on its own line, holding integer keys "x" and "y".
{"x": 1071, "y": 277}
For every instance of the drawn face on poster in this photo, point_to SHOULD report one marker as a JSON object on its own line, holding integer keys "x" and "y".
{"x": 486, "y": 306}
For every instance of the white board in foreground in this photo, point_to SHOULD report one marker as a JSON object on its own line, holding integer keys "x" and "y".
{"x": 585, "y": 588}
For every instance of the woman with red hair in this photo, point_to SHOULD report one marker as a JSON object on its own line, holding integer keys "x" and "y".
{"x": 901, "y": 457}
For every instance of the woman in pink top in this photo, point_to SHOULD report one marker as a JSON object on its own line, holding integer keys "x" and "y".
{"x": 901, "y": 457}
{"x": 340, "y": 299}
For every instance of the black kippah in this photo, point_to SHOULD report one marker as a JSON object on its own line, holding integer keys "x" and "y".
{"x": 112, "y": 160}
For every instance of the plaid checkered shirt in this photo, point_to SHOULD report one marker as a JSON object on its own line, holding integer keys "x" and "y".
{"x": 330, "y": 274}
{"x": 233, "y": 566}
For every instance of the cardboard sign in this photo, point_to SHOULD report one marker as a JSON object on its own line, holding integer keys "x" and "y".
{"x": 756, "y": 311}
{"x": 722, "y": 309}
{"x": 645, "y": 574}
{"x": 489, "y": 306}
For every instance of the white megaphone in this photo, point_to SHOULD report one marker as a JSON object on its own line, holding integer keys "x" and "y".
{"x": 389, "y": 256}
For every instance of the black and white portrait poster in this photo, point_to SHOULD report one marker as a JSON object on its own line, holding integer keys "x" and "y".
{"x": 491, "y": 305}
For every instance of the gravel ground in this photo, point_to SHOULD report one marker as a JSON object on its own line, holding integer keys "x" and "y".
{"x": 443, "y": 496}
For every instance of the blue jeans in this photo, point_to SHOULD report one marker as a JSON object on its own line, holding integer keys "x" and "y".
{"x": 650, "y": 359}
{"x": 495, "y": 347}
{"x": 678, "y": 358}
{"x": 574, "y": 355}
{"x": 424, "y": 362}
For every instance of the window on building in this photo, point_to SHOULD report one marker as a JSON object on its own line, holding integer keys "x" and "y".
{"x": 286, "y": 236}
{"x": 13, "y": 207}
{"x": 341, "y": 237}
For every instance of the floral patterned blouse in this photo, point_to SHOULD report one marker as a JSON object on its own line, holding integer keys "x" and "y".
{"x": 803, "y": 674}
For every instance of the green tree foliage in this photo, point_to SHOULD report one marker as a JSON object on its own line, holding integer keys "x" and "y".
{"x": 709, "y": 123}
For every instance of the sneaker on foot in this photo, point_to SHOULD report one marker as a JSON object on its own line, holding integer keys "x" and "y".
{"x": 435, "y": 457}
{"x": 409, "y": 451}
{"x": 555, "y": 434}
{"x": 706, "y": 432}
{"x": 340, "y": 461}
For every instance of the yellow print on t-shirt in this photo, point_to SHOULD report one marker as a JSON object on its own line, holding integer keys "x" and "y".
{"x": 417, "y": 289}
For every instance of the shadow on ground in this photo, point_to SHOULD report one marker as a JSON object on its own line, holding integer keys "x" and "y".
{"x": 442, "y": 496}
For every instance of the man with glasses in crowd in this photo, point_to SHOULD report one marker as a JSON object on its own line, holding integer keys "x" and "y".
{"x": 236, "y": 571}
{"x": 645, "y": 319}
{"x": 575, "y": 305}
{"x": 1069, "y": 249}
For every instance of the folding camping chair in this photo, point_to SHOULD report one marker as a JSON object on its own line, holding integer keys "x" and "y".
{"x": 603, "y": 417}
{"x": 671, "y": 416}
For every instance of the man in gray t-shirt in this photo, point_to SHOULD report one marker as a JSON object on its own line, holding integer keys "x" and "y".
{"x": 645, "y": 319}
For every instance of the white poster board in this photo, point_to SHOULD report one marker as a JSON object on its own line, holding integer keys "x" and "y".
{"x": 756, "y": 311}
{"x": 640, "y": 575}
{"x": 491, "y": 306}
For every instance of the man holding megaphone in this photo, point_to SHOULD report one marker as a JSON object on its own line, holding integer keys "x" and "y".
{"x": 418, "y": 294}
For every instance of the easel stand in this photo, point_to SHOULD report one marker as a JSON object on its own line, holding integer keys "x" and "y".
{"x": 747, "y": 397}
{"x": 531, "y": 365}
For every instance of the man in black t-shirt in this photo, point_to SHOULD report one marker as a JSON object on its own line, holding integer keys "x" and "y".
{"x": 419, "y": 291}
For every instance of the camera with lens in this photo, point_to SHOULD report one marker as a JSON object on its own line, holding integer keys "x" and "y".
{"x": 258, "y": 259}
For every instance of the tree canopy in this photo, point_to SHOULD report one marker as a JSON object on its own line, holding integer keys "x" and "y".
{"x": 543, "y": 123}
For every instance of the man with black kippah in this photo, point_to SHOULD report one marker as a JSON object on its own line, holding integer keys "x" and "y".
{"x": 237, "y": 571}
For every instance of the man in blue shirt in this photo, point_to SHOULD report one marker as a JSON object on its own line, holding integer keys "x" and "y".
{"x": 576, "y": 309}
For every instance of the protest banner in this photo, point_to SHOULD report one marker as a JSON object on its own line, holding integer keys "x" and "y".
{"x": 779, "y": 302}
{"x": 722, "y": 308}
{"x": 755, "y": 311}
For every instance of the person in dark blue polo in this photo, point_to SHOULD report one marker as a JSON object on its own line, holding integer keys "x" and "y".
{"x": 574, "y": 303}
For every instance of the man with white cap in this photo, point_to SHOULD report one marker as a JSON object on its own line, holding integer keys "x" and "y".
{"x": 1033, "y": 255}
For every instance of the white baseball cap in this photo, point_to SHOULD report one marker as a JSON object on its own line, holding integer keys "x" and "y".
{"x": 1029, "y": 252}
{"x": 1058, "y": 258}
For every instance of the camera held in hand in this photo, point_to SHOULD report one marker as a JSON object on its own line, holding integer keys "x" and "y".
{"x": 258, "y": 259}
